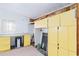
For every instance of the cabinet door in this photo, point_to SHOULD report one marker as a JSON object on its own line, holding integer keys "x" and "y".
{"x": 52, "y": 41}
{"x": 62, "y": 52}
{"x": 68, "y": 18}
{"x": 72, "y": 42}
{"x": 72, "y": 53}
{"x": 54, "y": 21}
{"x": 26, "y": 40}
{"x": 4, "y": 43}
{"x": 63, "y": 41}
{"x": 41, "y": 23}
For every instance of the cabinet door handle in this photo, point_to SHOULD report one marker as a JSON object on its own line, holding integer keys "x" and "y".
{"x": 58, "y": 44}
{"x": 58, "y": 27}
{"x": 57, "y": 47}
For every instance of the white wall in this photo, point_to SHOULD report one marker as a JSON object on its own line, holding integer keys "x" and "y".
{"x": 31, "y": 29}
{"x": 19, "y": 26}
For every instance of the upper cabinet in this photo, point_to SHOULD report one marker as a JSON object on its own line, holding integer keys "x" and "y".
{"x": 41, "y": 23}
{"x": 68, "y": 18}
{"x": 54, "y": 21}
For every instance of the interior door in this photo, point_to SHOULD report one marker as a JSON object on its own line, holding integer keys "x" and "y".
{"x": 18, "y": 41}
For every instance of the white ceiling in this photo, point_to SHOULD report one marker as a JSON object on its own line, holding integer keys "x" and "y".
{"x": 33, "y": 10}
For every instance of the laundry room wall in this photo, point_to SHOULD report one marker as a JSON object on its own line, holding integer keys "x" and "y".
{"x": 31, "y": 29}
{"x": 14, "y": 27}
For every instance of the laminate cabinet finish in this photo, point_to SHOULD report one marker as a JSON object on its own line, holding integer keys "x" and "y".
{"x": 4, "y": 43}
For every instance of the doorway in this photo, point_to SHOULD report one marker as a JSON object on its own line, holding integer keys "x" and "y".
{"x": 18, "y": 42}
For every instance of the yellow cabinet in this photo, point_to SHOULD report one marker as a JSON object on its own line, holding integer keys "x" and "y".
{"x": 52, "y": 41}
{"x": 62, "y": 52}
{"x": 4, "y": 43}
{"x": 68, "y": 18}
{"x": 67, "y": 41}
{"x": 72, "y": 42}
{"x": 54, "y": 21}
{"x": 72, "y": 53}
{"x": 62, "y": 34}
{"x": 52, "y": 50}
{"x": 41, "y": 23}
{"x": 26, "y": 40}
{"x": 63, "y": 41}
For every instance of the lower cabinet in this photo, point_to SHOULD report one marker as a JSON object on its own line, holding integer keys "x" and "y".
{"x": 26, "y": 40}
{"x": 4, "y": 43}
